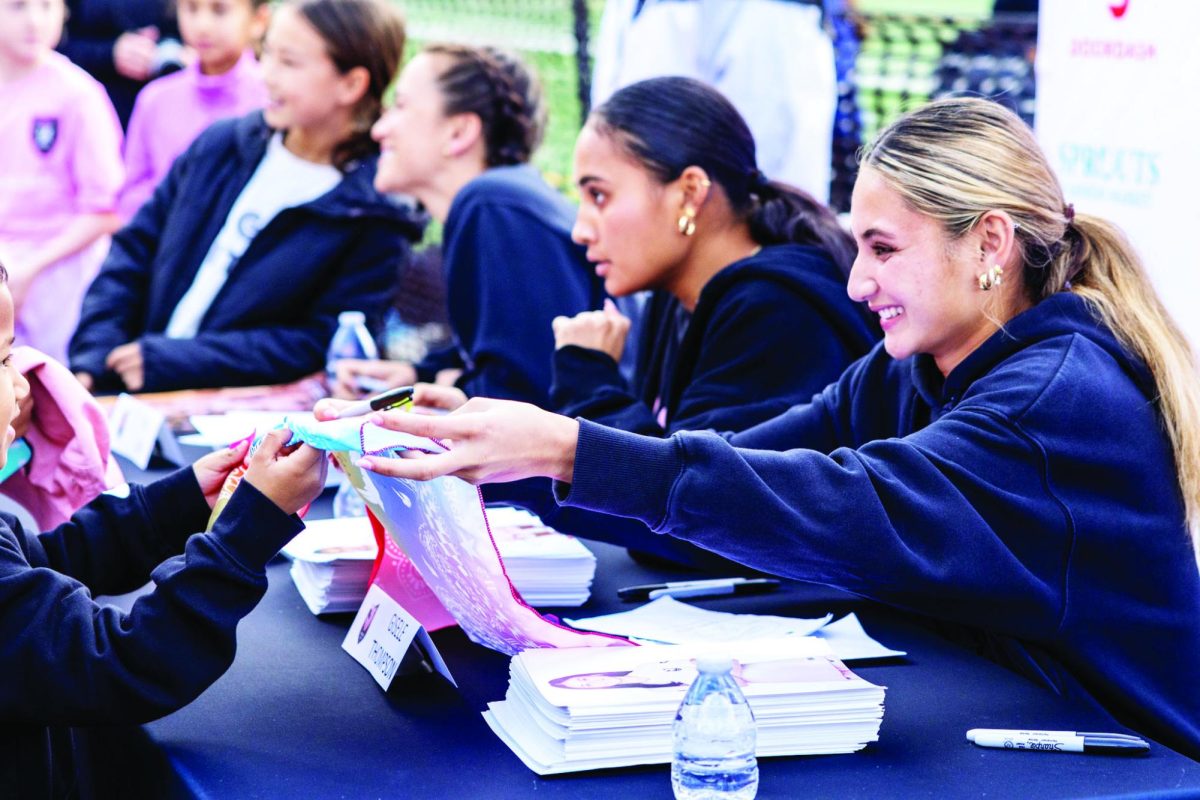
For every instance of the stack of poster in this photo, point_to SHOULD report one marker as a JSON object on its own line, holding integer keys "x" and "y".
{"x": 574, "y": 709}
{"x": 331, "y": 563}
{"x": 548, "y": 568}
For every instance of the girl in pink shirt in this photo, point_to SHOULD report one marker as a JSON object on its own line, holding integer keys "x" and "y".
{"x": 60, "y": 174}
{"x": 223, "y": 81}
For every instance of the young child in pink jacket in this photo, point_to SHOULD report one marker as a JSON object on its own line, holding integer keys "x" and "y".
{"x": 223, "y": 81}
{"x": 60, "y": 174}
{"x": 67, "y": 431}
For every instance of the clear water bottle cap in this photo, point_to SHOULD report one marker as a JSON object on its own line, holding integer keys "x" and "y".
{"x": 714, "y": 664}
{"x": 351, "y": 318}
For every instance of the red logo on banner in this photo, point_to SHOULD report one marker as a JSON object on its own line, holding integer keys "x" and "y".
{"x": 1119, "y": 9}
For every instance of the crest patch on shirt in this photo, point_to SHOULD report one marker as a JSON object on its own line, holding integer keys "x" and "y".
{"x": 45, "y": 133}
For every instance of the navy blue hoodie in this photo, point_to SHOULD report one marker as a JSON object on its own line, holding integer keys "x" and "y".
{"x": 69, "y": 661}
{"x": 273, "y": 319}
{"x": 1031, "y": 495}
{"x": 511, "y": 268}
{"x": 768, "y": 332}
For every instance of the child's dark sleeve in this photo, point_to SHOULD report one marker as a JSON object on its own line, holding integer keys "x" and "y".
{"x": 71, "y": 661}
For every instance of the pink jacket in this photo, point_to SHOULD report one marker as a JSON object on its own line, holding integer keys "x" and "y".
{"x": 71, "y": 462}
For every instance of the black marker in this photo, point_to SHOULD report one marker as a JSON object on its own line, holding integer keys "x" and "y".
{"x": 701, "y": 588}
{"x": 1060, "y": 741}
{"x": 380, "y": 402}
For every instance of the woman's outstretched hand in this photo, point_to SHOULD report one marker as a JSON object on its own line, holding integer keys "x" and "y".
{"x": 491, "y": 441}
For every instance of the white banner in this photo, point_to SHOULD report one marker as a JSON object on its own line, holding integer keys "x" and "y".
{"x": 1118, "y": 113}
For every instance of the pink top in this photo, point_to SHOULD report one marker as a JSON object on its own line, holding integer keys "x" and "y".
{"x": 173, "y": 110}
{"x": 60, "y": 155}
{"x": 71, "y": 461}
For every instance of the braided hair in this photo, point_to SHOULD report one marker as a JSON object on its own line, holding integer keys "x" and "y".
{"x": 359, "y": 33}
{"x": 498, "y": 88}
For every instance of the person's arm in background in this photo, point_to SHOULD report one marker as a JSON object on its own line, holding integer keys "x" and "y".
{"x": 93, "y": 139}
{"x": 114, "y": 308}
{"x": 95, "y": 37}
{"x": 586, "y": 377}
{"x": 508, "y": 280}
{"x": 746, "y": 368}
{"x": 140, "y": 178}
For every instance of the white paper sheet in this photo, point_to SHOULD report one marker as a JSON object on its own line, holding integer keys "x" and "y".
{"x": 669, "y": 621}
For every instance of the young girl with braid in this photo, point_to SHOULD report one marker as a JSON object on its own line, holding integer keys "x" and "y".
{"x": 458, "y": 138}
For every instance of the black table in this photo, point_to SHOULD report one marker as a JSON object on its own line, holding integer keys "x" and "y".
{"x": 296, "y": 717}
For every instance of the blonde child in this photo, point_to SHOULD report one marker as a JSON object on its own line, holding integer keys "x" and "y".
{"x": 223, "y": 81}
{"x": 59, "y": 176}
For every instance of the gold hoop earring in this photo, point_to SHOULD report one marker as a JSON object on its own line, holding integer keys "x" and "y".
{"x": 992, "y": 276}
{"x": 687, "y": 222}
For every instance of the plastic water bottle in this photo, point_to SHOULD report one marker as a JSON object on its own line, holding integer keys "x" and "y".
{"x": 350, "y": 340}
{"x": 348, "y": 502}
{"x": 714, "y": 738}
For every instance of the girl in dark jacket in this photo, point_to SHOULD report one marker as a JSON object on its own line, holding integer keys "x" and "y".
{"x": 267, "y": 227}
{"x": 749, "y": 313}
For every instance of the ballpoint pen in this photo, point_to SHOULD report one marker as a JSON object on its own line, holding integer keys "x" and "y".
{"x": 380, "y": 402}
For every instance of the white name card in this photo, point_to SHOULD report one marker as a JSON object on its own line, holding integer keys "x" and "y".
{"x": 381, "y": 635}
{"x": 136, "y": 427}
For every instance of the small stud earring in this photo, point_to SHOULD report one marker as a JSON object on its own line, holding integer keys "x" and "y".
{"x": 687, "y": 222}
{"x": 992, "y": 276}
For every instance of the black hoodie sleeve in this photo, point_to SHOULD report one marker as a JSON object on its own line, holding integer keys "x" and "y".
{"x": 71, "y": 661}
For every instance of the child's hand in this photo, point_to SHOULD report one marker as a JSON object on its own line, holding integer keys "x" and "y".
{"x": 133, "y": 53}
{"x": 291, "y": 477}
{"x": 213, "y": 469}
{"x": 126, "y": 361}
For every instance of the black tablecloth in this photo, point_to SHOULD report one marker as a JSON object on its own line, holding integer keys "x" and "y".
{"x": 296, "y": 717}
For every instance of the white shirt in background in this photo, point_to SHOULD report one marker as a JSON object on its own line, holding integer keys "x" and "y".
{"x": 282, "y": 180}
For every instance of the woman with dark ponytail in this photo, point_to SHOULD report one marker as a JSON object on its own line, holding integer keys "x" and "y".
{"x": 749, "y": 313}
{"x": 459, "y": 137}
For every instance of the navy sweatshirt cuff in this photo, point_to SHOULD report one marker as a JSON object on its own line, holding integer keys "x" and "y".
{"x": 252, "y": 528}
{"x": 578, "y": 372}
{"x": 622, "y": 473}
{"x": 177, "y": 508}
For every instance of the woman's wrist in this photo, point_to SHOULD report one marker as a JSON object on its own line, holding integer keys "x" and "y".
{"x": 565, "y": 442}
